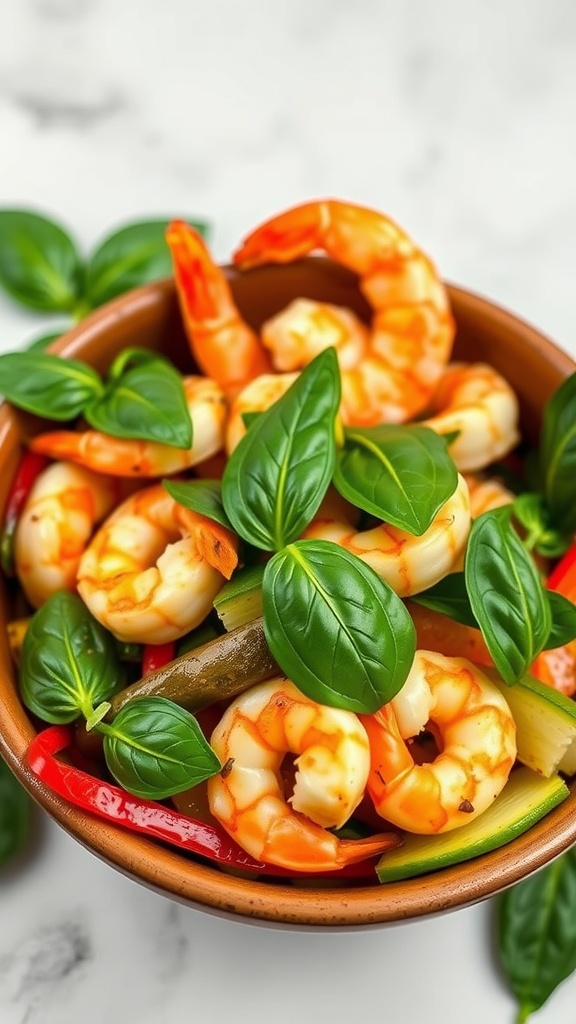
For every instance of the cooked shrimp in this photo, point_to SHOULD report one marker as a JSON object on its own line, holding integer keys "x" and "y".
{"x": 222, "y": 343}
{"x": 256, "y": 732}
{"x": 407, "y": 562}
{"x": 398, "y": 361}
{"x": 486, "y": 492}
{"x": 257, "y": 396}
{"x": 557, "y": 668}
{"x": 126, "y": 457}
{"x": 476, "y": 738}
{"x": 476, "y": 401}
{"x": 154, "y": 567}
{"x": 63, "y": 507}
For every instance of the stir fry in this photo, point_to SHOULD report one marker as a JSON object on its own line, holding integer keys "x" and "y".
{"x": 290, "y": 612}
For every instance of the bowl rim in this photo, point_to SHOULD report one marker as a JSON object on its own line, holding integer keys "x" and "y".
{"x": 262, "y": 902}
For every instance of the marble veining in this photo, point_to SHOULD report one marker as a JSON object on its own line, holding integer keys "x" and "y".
{"x": 47, "y": 961}
{"x": 457, "y": 119}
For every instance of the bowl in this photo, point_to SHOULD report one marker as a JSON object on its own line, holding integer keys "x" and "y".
{"x": 150, "y": 317}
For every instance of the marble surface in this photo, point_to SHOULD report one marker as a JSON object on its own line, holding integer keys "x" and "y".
{"x": 459, "y": 119}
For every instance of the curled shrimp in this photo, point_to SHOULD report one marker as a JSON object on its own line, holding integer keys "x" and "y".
{"x": 59, "y": 516}
{"x": 407, "y": 562}
{"x": 257, "y": 396}
{"x": 389, "y": 372}
{"x": 256, "y": 732}
{"x": 476, "y": 740}
{"x": 222, "y": 343}
{"x": 479, "y": 404}
{"x": 126, "y": 457}
{"x": 154, "y": 567}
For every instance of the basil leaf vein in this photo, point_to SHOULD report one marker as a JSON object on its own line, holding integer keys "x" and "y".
{"x": 323, "y": 610}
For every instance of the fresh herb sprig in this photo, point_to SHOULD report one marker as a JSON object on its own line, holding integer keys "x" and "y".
{"x": 15, "y": 813}
{"x": 42, "y": 267}
{"x": 334, "y": 626}
{"x": 142, "y": 397}
{"x": 536, "y": 933}
{"x": 153, "y": 748}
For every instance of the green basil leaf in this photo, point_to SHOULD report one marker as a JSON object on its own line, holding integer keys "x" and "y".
{"x": 131, "y": 256}
{"x": 147, "y": 403}
{"x": 278, "y": 474}
{"x": 563, "y": 629}
{"x": 533, "y": 514}
{"x": 506, "y": 594}
{"x": 39, "y": 264}
{"x": 203, "y": 496}
{"x": 47, "y": 385}
{"x": 449, "y": 597}
{"x": 558, "y": 455}
{"x": 69, "y": 661}
{"x": 154, "y": 748}
{"x": 14, "y": 814}
{"x": 335, "y": 628}
{"x": 537, "y": 933}
{"x": 401, "y": 474}
{"x": 44, "y": 340}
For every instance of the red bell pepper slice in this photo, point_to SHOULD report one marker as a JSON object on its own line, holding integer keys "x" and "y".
{"x": 146, "y": 816}
{"x": 155, "y": 656}
{"x": 563, "y": 576}
{"x": 30, "y": 466}
{"x": 557, "y": 667}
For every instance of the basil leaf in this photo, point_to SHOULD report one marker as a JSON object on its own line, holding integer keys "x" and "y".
{"x": 131, "y": 256}
{"x": 506, "y": 594}
{"x": 537, "y": 932}
{"x": 14, "y": 813}
{"x": 154, "y": 748}
{"x": 44, "y": 340}
{"x": 533, "y": 514}
{"x": 335, "y": 628}
{"x": 47, "y": 385}
{"x": 449, "y": 597}
{"x": 203, "y": 496}
{"x": 558, "y": 455}
{"x": 563, "y": 629}
{"x": 69, "y": 662}
{"x": 401, "y": 474}
{"x": 39, "y": 264}
{"x": 278, "y": 474}
{"x": 147, "y": 402}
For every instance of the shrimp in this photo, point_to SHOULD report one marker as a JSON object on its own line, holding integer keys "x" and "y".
{"x": 476, "y": 740}
{"x": 127, "y": 457}
{"x": 247, "y": 797}
{"x": 154, "y": 567}
{"x": 407, "y": 562}
{"x": 474, "y": 400}
{"x": 222, "y": 343}
{"x": 486, "y": 493}
{"x": 257, "y": 396}
{"x": 63, "y": 507}
{"x": 399, "y": 360}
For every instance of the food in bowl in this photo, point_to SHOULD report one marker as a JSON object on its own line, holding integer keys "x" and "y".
{"x": 360, "y": 503}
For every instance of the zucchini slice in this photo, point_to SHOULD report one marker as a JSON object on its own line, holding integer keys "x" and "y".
{"x": 545, "y": 724}
{"x": 525, "y": 799}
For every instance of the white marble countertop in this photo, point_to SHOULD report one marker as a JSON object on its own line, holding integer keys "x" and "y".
{"x": 459, "y": 120}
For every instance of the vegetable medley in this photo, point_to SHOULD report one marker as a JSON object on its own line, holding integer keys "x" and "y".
{"x": 311, "y": 609}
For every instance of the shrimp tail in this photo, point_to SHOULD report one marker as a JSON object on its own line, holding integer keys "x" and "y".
{"x": 63, "y": 445}
{"x": 284, "y": 238}
{"x": 202, "y": 288}
{"x": 224, "y": 346}
{"x": 215, "y": 543}
{"x": 352, "y": 851}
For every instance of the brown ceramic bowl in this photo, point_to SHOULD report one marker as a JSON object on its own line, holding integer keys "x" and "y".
{"x": 150, "y": 317}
